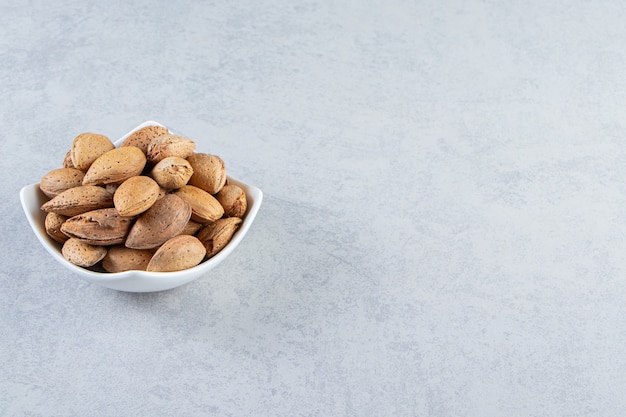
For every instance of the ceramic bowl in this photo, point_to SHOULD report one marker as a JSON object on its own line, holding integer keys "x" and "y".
{"x": 32, "y": 198}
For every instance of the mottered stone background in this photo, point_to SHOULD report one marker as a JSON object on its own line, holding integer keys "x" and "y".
{"x": 443, "y": 229}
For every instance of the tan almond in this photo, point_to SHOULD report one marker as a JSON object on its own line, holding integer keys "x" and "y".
{"x": 165, "y": 219}
{"x": 59, "y": 180}
{"x": 79, "y": 200}
{"x": 191, "y": 228}
{"x": 172, "y": 172}
{"x": 170, "y": 145}
{"x": 233, "y": 199}
{"x": 204, "y": 207}
{"x": 81, "y": 253}
{"x": 87, "y": 147}
{"x": 209, "y": 172}
{"x": 215, "y": 235}
{"x": 98, "y": 227}
{"x": 53, "y": 224}
{"x": 178, "y": 253}
{"x": 121, "y": 258}
{"x": 115, "y": 166}
{"x": 141, "y": 138}
{"x": 136, "y": 195}
{"x": 67, "y": 161}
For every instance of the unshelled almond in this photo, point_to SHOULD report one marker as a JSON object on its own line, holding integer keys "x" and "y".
{"x": 170, "y": 145}
{"x": 87, "y": 147}
{"x": 98, "y": 227}
{"x": 204, "y": 207}
{"x": 209, "y": 172}
{"x": 81, "y": 253}
{"x": 53, "y": 224}
{"x": 79, "y": 200}
{"x": 115, "y": 166}
{"x": 141, "y": 138}
{"x": 120, "y": 259}
{"x": 165, "y": 219}
{"x": 172, "y": 172}
{"x": 233, "y": 199}
{"x": 216, "y": 235}
{"x": 178, "y": 253}
{"x": 59, "y": 180}
{"x": 136, "y": 195}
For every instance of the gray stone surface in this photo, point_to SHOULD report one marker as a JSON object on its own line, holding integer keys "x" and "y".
{"x": 443, "y": 229}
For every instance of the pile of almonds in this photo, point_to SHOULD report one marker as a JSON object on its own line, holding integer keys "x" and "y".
{"x": 152, "y": 203}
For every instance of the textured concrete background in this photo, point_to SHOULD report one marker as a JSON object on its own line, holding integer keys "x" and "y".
{"x": 443, "y": 230}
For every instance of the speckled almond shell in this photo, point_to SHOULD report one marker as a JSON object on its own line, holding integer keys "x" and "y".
{"x": 172, "y": 172}
{"x": 135, "y": 195}
{"x": 81, "y": 253}
{"x": 53, "y": 223}
{"x": 141, "y": 138}
{"x": 98, "y": 227}
{"x": 120, "y": 259}
{"x": 165, "y": 219}
{"x": 178, "y": 253}
{"x": 209, "y": 172}
{"x": 215, "y": 235}
{"x": 170, "y": 145}
{"x": 204, "y": 207}
{"x": 115, "y": 166}
{"x": 233, "y": 200}
{"x": 87, "y": 147}
{"x": 79, "y": 200}
{"x": 59, "y": 180}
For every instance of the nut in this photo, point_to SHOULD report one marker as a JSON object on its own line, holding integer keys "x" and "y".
{"x": 115, "y": 166}
{"x": 79, "y": 200}
{"x": 233, "y": 199}
{"x": 215, "y": 235}
{"x": 136, "y": 195}
{"x": 81, "y": 253}
{"x": 59, "y": 180}
{"x": 178, "y": 253}
{"x": 209, "y": 172}
{"x": 121, "y": 258}
{"x": 87, "y": 147}
{"x": 98, "y": 227}
{"x": 53, "y": 224}
{"x": 170, "y": 145}
{"x": 141, "y": 138}
{"x": 204, "y": 207}
{"x": 165, "y": 219}
{"x": 172, "y": 172}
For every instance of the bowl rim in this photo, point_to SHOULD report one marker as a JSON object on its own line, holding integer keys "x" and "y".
{"x": 34, "y": 216}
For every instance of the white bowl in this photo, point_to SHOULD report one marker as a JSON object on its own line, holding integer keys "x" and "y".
{"x": 136, "y": 281}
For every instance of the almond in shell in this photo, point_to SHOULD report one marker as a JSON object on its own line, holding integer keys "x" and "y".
{"x": 178, "y": 253}
{"x": 136, "y": 195}
{"x": 215, "y": 235}
{"x": 79, "y": 200}
{"x": 172, "y": 172}
{"x": 87, "y": 147}
{"x": 209, "y": 172}
{"x": 204, "y": 207}
{"x": 115, "y": 166}
{"x": 170, "y": 145}
{"x": 233, "y": 199}
{"x": 59, "y": 180}
{"x": 121, "y": 258}
{"x": 81, "y": 253}
{"x": 98, "y": 227}
{"x": 141, "y": 138}
{"x": 165, "y": 219}
{"x": 53, "y": 224}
